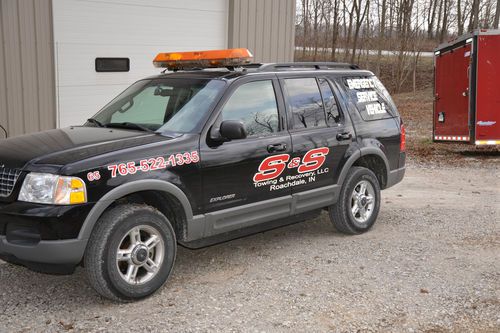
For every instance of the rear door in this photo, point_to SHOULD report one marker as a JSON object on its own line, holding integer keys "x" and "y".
{"x": 451, "y": 103}
{"x": 320, "y": 133}
{"x": 487, "y": 93}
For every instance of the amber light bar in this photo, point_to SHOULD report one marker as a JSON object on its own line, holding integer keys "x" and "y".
{"x": 203, "y": 59}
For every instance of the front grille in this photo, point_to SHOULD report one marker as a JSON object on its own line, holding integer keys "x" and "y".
{"x": 8, "y": 178}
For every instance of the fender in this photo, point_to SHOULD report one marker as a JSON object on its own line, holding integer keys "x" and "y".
{"x": 363, "y": 151}
{"x": 376, "y": 151}
{"x": 129, "y": 188}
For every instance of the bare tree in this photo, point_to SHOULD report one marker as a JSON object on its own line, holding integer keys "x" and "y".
{"x": 406, "y": 34}
{"x": 326, "y": 11}
{"x": 444, "y": 27}
{"x": 439, "y": 17}
{"x": 398, "y": 30}
{"x": 392, "y": 6}
{"x": 305, "y": 15}
{"x": 316, "y": 7}
{"x": 431, "y": 17}
{"x": 335, "y": 27}
{"x": 381, "y": 34}
{"x": 349, "y": 29}
{"x": 488, "y": 14}
{"x": 460, "y": 25}
{"x": 497, "y": 15}
{"x": 474, "y": 16}
{"x": 360, "y": 16}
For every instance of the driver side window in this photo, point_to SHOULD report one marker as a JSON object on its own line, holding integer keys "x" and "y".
{"x": 254, "y": 104}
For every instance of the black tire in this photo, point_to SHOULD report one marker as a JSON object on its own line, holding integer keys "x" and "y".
{"x": 341, "y": 214}
{"x": 110, "y": 232}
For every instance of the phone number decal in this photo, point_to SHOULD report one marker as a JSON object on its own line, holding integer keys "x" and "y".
{"x": 153, "y": 164}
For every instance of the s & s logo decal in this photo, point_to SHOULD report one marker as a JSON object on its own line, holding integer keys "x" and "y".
{"x": 271, "y": 168}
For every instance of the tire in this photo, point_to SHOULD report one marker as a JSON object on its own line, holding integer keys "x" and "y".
{"x": 147, "y": 246}
{"x": 342, "y": 213}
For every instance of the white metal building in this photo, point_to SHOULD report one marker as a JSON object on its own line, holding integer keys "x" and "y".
{"x": 48, "y": 72}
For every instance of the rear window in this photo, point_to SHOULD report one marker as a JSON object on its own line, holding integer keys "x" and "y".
{"x": 370, "y": 97}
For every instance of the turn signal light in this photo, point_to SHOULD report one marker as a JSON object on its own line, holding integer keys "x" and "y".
{"x": 203, "y": 59}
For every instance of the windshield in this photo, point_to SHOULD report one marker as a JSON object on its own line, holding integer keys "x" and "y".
{"x": 175, "y": 105}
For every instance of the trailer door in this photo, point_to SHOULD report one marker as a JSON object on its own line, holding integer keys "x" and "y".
{"x": 451, "y": 103}
{"x": 488, "y": 94}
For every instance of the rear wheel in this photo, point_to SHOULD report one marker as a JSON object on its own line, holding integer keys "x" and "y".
{"x": 131, "y": 252}
{"x": 359, "y": 202}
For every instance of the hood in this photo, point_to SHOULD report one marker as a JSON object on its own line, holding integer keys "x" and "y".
{"x": 68, "y": 145}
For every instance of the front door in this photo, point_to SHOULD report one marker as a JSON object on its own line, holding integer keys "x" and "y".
{"x": 230, "y": 170}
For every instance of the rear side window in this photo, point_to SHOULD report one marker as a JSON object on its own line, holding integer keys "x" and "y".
{"x": 370, "y": 97}
{"x": 331, "y": 107}
{"x": 304, "y": 102}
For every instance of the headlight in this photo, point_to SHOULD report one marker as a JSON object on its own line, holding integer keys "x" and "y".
{"x": 53, "y": 189}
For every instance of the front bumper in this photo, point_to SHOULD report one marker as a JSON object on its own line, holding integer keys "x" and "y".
{"x": 42, "y": 237}
{"x": 59, "y": 257}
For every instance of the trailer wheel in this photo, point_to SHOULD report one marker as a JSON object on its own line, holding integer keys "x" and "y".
{"x": 357, "y": 208}
{"x": 131, "y": 252}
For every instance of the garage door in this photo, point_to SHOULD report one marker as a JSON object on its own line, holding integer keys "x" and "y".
{"x": 85, "y": 30}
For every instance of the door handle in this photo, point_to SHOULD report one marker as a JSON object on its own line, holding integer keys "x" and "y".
{"x": 276, "y": 147}
{"x": 344, "y": 136}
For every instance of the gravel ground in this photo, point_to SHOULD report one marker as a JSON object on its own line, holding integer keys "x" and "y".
{"x": 430, "y": 264}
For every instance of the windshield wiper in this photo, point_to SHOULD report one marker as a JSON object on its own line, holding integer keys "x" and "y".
{"x": 131, "y": 125}
{"x": 96, "y": 122}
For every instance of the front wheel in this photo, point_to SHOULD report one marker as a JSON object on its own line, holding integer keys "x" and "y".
{"x": 131, "y": 252}
{"x": 359, "y": 202}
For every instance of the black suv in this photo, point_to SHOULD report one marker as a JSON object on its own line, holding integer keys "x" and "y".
{"x": 198, "y": 157}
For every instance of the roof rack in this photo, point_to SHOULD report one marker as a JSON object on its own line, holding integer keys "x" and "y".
{"x": 274, "y": 67}
{"x": 299, "y": 65}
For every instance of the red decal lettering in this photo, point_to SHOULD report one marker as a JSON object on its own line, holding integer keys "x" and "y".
{"x": 144, "y": 165}
{"x": 113, "y": 169}
{"x": 271, "y": 167}
{"x": 132, "y": 169}
{"x": 295, "y": 162}
{"x": 194, "y": 157}
{"x": 122, "y": 169}
{"x": 313, "y": 159}
{"x": 91, "y": 176}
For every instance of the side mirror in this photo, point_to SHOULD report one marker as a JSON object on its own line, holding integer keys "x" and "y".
{"x": 232, "y": 130}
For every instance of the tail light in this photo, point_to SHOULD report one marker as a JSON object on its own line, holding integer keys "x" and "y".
{"x": 402, "y": 144}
